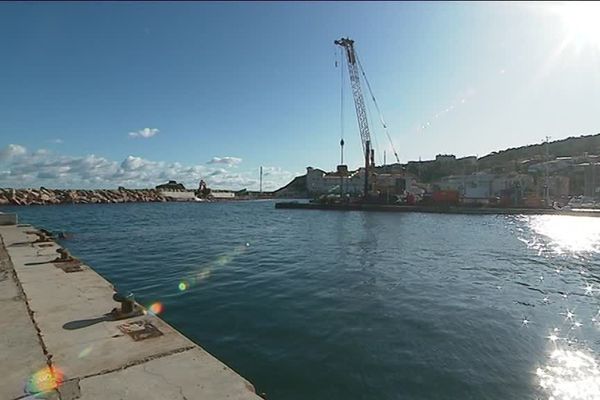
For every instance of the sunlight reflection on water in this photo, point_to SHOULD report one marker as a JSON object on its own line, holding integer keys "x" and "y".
{"x": 566, "y": 233}
{"x": 569, "y": 373}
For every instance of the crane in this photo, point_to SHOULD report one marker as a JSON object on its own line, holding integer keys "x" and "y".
{"x": 359, "y": 104}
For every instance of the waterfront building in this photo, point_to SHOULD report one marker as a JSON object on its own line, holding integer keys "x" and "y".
{"x": 222, "y": 194}
{"x": 392, "y": 180}
{"x": 482, "y": 186}
{"x": 319, "y": 182}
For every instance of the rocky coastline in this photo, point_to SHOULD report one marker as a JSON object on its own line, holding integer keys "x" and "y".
{"x": 43, "y": 196}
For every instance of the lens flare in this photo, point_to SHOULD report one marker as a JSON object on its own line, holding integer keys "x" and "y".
{"x": 224, "y": 260}
{"x": 85, "y": 352}
{"x": 45, "y": 380}
{"x": 156, "y": 308}
{"x": 204, "y": 272}
{"x": 203, "y": 275}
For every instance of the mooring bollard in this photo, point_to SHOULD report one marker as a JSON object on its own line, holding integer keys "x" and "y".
{"x": 127, "y": 302}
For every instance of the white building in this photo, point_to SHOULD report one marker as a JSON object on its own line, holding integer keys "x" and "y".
{"x": 320, "y": 182}
{"x": 222, "y": 194}
{"x": 472, "y": 186}
{"x": 484, "y": 185}
{"x": 173, "y": 195}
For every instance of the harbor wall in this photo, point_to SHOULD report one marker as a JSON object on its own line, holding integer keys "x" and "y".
{"x": 65, "y": 337}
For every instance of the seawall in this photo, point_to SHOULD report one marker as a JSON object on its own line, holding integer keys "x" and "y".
{"x": 65, "y": 337}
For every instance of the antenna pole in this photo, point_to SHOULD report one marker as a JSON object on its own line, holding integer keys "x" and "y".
{"x": 546, "y": 187}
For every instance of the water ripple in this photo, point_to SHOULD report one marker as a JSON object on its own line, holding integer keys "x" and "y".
{"x": 320, "y": 305}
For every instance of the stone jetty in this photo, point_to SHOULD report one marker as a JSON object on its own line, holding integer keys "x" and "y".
{"x": 64, "y": 336}
{"x": 41, "y": 196}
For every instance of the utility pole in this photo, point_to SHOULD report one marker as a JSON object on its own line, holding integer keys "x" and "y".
{"x": 261, "y": 175}
{"x": 593, "y": 169}
{"x": 546, "y": 186}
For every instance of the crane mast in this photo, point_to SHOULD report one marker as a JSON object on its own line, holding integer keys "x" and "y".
{"x": 359, "y": 104}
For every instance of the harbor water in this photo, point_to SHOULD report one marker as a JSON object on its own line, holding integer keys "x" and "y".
{"x": 327, "y": 305}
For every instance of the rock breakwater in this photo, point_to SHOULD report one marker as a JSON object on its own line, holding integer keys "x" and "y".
{"x": 41, "y": 196}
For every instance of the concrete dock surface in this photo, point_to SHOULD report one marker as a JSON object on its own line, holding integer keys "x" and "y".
{"x": 58, "y": 341}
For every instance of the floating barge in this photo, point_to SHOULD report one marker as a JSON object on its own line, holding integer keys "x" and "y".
{"x": 437, "y": 209}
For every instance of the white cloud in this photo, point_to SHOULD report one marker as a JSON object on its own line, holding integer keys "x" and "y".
{"x": 218, "y": 171}
{"x": 20, "y": 168}
{"x": 57, "y": 141}
{"x": 225, "y": 160}
{"x": 12, "y": 151}
{"x": 132, "y": 163}
{"x": 144, "y": 133}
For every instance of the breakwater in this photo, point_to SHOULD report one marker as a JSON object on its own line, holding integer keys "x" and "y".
{"x": 42, "y": 196}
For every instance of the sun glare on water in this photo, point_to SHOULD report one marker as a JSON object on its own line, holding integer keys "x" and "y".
{"x": 570, "y": 375}
{"x": 568, "y": 234}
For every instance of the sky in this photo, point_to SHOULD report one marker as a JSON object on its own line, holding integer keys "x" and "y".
{"x": 107, "y": 94}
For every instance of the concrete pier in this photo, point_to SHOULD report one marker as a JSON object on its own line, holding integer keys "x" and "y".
{"x": 59, "y": 341}
{"x": 8, "y": 219}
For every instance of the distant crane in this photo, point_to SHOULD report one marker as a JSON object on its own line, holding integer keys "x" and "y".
{"x": 359, "y": 104}
{"x": 361, "y": 110}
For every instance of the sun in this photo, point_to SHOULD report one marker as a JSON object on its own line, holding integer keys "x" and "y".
{"x": 580, "y": 21}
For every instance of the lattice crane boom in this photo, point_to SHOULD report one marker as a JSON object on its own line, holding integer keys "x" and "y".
{"x": 359, "y": 101}
{"x": 359, "y": 104}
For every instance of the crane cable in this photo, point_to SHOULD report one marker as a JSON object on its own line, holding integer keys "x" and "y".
{"x": 341, "y": 92}
{"x": 385, "y": 128}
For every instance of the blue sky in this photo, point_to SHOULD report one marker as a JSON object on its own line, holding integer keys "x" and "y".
{"x": 226, "y": 87}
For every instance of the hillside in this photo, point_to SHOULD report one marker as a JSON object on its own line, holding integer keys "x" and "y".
{"x": 572, "y": 146}
{"x": 430, "y": 171}
{"x": 296, "y": 188}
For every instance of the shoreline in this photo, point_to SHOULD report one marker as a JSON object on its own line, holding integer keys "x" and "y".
{"x": 436, "y": 210}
